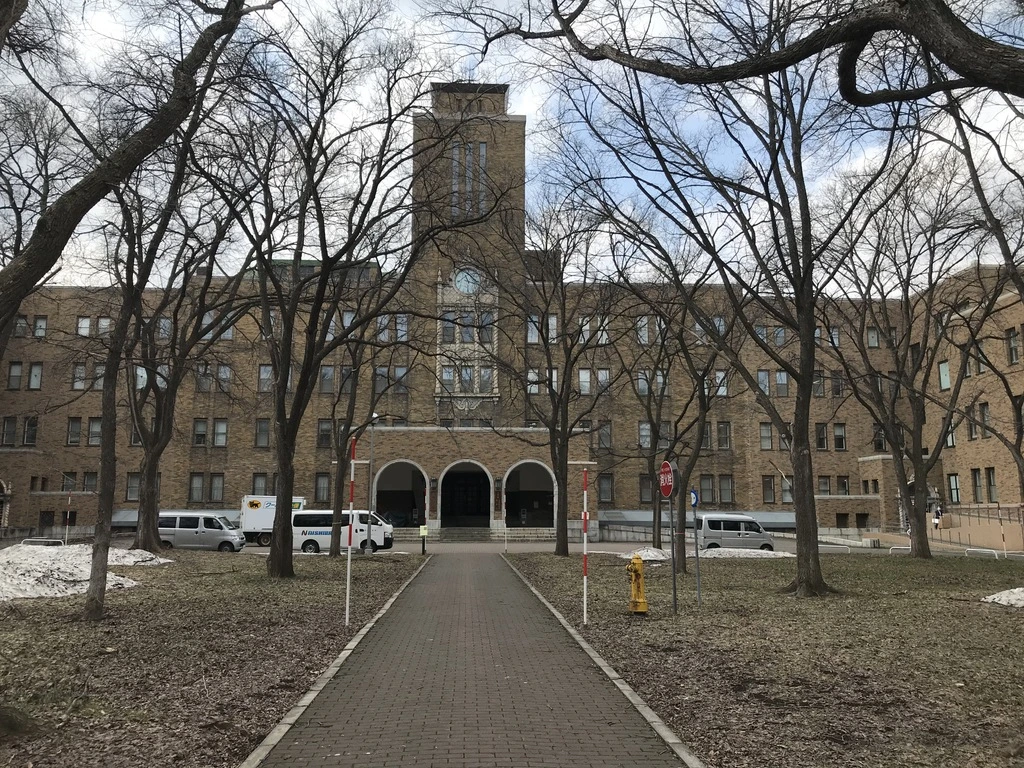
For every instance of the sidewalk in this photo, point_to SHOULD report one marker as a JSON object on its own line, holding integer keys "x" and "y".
{"x": 468, "y": 669}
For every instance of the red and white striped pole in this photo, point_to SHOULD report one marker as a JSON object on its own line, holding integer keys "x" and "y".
{"x": 585, "y": 516}
{"x": 351, "y": 502}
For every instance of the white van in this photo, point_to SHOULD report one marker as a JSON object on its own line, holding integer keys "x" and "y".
{"x": 198, "y": 530}
{"x": 725, "y": 529}
{"x": 311, "y": 531}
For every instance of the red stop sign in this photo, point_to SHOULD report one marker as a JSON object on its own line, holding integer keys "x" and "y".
{"x": 666, "y": 479}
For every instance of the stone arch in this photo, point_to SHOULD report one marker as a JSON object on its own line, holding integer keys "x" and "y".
{"x": 528, "y": 503}
{"x": 465, "y": 495}
{"x": 400, "y": 493}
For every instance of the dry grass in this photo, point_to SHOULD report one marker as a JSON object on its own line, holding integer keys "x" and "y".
{"x": 904, "y": 668}
{"x": 191, "y": 668}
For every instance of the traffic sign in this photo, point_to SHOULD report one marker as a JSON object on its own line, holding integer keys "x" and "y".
{"x": 693, "y": 498}
{"x": 666, "y": 479}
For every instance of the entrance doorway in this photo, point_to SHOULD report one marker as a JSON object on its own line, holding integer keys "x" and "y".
{"x": 465, "y": 497}
{"x": 530, "y": 497}
{"x": 402, "y": 494}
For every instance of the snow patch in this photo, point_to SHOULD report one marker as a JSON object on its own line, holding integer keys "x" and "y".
{"x": 1011, "y": 597}
{"x": 33, "y": 571}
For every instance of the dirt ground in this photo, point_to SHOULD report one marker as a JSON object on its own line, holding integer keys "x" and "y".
{"x": 191, "y": 668}
{"x": 906, "y": 667}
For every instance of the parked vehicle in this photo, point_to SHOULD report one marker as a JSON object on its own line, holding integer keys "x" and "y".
{"x": 311, "y": 530}
{"x": 257, "y": 517}
{"x": 724, "y": 529}
{"x": 191, "y": 530}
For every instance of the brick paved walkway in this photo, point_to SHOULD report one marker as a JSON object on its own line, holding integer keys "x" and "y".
{"x": 468, "y": 669}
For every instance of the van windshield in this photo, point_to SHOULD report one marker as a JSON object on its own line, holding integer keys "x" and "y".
{"x": 228, "y": 525}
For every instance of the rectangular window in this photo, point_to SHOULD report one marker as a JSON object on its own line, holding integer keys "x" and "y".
{"x": 465, "y": 378}
{"x": 326, "y": 379}
{"x": 383, "y": 329}
{"x": 69, "y": 481}
{"x": 707, "y": 489}
{"x": 981, "y": 359}
{"x": 644, "y": 434}
{"x": 953, "y": 483}
{"x": 664, "y": 435}
{"x": 705, "y": 440}
{"x": 878, "y": 438}
{"x": 467, "y": 328}
{"x": 39, "y": 327}
{"x": 95, "y": 430}
{"x": 35, "y": 376}
{"x": 552, "y": 327}
{"x": 102, "y": 327}
{"x": 976, "y": 485}
{"x": 1012, "y": 346}
{"x": 401, "y": 327}
{"x": 401, "y": 383}
{"x": 833, "y": 337}
{"x": 604, "y": 379}
{"x": 818, "y": 386}
{"x": 838, "y": 384}
{"x": 986, "y": 419}
{"x": 381, "y": 379}
{"x": 839, "y": 436}
{"x": 643, "y": 335}
{"x": 972, "y": 424}
{"x": 14, "y": 375}
{"x": 724, "y": 435}
{"x": 217, "y": 487}
{"x": 448, "y": 378}
{"x": 266, "y": 379}
{"x": 99, "y": 372}
{"x": 605, "y": 491}
{"x": 646, "y": 489}
{"x": 762, "y": 381}
{"x": 83, "y": 326}
{"x": 766, "y": 436}
{"x": 9, "y": 430}
{"x": 761, "y": 331}
{"x": 533, "y": 382}
{"x": 133, "y": 484}
{"x": 787, "y": 489}
{"x": 533, "y": 329}
{"x": 74, "y": 430}
{"x": 643, "y": 383}
{"x": 448, "y": 328}
{"x": 722, "y": 384}
{"x": 821, "y": 436}
{"x": 259, "y": 484}
{"x": 347, "y": 379}
{"x": 768, "y": 489}
{"x": 951, "y": 437}
{"x": 990, "y": 484}
{"x": 873, "y": 337}
{"x": 824, "y": 485}
{"x": 604, "y": 434}
{"x": 485, "y": 331}
{"x": 944, "y": 382}
{"x": 220, "y": 432}
{"x": 725, "y": 489}
{"x": 602, "y": 329}
{"x": 486, "y": 379}
{"x": 29, "y": 428}
{"x": 781, "y": 384}
{"x": 784, "y": 439}
{"x": 196, "y": 486}
{"x": 584, "y": 380}
{"x": 779, "y": 335}
{"x": 322, "y": 487}
{"x": 199, "y": 431}
{"x": 204, "y": 379}
{"x": 262, "y": 433}
{"x": 90, "y": 481}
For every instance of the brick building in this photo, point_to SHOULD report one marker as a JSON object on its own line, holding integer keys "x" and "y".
{"x": 482, "y": 342}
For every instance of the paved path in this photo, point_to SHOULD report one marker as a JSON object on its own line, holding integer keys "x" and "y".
{"x": 469, "y": 669}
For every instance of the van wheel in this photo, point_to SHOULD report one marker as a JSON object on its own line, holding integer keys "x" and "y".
{"x": 711, "y": 546}
{"x": 310, "y": 547}
{"x": 767, "y": 548}
{"x": 225, "y": 546}
{"x": 166, "y": 545}
{"x": 373, "y": 546}
{"x": 263, "y": 539}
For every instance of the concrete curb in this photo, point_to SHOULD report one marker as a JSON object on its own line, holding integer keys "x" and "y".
{"x": 281, "y": 729}
{"x": 667, "y": 734}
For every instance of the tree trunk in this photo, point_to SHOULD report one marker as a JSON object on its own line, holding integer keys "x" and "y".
{"x": 562, "y": 508}
{"x": 919, "y": 517}
{"x": 280, "y": 562}
{"x": 147, "y": 534}
{"x": 655, "y": 506}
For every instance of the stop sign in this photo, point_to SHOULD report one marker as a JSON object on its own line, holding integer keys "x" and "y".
{"x": 666, "y": 479}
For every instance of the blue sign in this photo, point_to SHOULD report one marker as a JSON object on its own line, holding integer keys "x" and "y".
{"x": 694, "y": 498}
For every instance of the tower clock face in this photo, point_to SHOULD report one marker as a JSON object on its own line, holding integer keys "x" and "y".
{"x": 467, "y": 281}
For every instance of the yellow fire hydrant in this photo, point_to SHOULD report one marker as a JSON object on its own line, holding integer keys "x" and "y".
{"x": 637, "y": 600}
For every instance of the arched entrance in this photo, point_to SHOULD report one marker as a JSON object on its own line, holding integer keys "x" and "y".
{"x": 402, "y": 494}
{"x": 465, "y": 496}
{"x": 530, "y": 496}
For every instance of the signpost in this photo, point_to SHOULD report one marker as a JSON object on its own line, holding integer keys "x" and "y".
{"x": 667, "y": 481}
{"x": 351, "y": 521}
{"x": 694, "y": 498}
{"x": 585, "y": 516}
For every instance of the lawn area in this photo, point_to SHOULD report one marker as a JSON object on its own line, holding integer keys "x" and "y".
{"x": 191, "y": 668}
{"x": 906, "y": 667}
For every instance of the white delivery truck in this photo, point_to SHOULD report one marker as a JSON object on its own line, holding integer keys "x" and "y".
{"x": 311, "y": 530}
{"x": 257, "y": 518}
